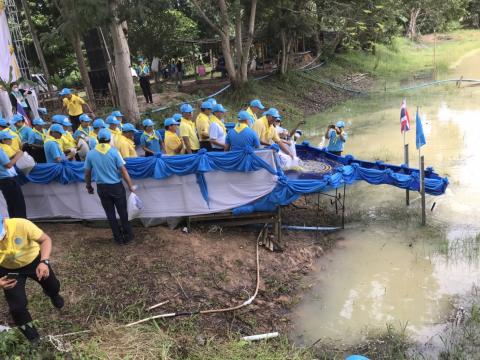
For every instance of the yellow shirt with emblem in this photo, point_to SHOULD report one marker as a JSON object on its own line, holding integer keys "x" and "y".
{"x": 266, "y": 133}
{"x": 187, "y": 129}
{"x": 126, "y": 147}
{"x": 203, "y": 126}
{"x": 20, "y": 245}
{"x": 74, "y": 105}
{"x": 172, "y": 142}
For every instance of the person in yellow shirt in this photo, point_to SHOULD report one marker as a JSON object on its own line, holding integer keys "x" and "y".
{"x": 68, "y": 142}
{"x": 203, "y": 125}
{"x": 254, "y": 109}
{"x": 74, "y": 105}
{"x": 187, "y": 130}
{"x": 266, "y": 131}
{"x": 25, "y": 253}
{"x": 113, "y": 126}
{"x": 125, "y": 143}
{"x": 16, "y": 142}
{"x": 173, "y": 143}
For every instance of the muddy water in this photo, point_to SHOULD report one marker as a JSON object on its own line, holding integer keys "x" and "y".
{"x": 389, "y": 270}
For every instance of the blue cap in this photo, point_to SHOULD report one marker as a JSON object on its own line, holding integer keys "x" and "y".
{"x": 85, "y": 117}
{"x": 66, "y": 122}
{"x": 112, "y": 120}
{"x": 257, "y": 103}
{"x": 3, "y": 122}
{"x": 219, "y": 108}
{"x": 357, "y": 357}
{"x": 340, "y": 124}
{"x": 186, "y": 108}
{"x": 244, "y": 115}
{"x": 140, "y": 58}
{"x": 98, "y": 123}
{"x": 17, "y": 118}
{"x": 273, "y": 113}
{"x": 38, "y": 121}
{"x": 177, "y": 117}
{"x": 207, "y": 105}
{"x": 65, "y": 91}
{"x": 128, "y": 127}
{"x": 117, "y": 113}
{"x": 57, "y": 128}
{"x": 4, "y": 135}
{"x": 147, "y": 122}
{"x": 170, "y": 121}
{"x": 58, "y": 119}
{"x": 212, "y": 101}
{"x": 104, "y": 134}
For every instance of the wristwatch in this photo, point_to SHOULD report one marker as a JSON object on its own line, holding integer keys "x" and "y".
{"x": 46, "y": 261}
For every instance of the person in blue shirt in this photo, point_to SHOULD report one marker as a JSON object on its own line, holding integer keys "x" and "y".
{"x": 150, "y": 141}
{"x": 9, "y": 185}
{"x": 53, "y": 145}
{"x": 83, "y": 131}
{"x": 19, "y": 126}
{"x": 36, "y": 140}
{"x": 108, "y": 169}
{"x": 143, "y": 72}
{"x": 242, "y": 136}
{"x": 98, "y": 124}
{"x": 336, "y": 137}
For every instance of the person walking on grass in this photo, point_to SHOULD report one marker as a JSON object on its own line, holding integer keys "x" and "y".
{"x": 25, "y": 253}
{"x": 109, "y": 168}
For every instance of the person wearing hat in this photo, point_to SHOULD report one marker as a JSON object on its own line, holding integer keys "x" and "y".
{"x": 36, "y": 140}
{"x": 83, "y": 131}
{"x": 54, "y": 145}
{"x": 143, "y": 72}
{"x": 212, "y": 101}
{"x": 203, "y": 125}
{"x": 241, "y": 136}
{"x": 188, "y": 131}
{"x": 118, "y": 114}
{"x": 69, "y": 145}
{"x": 125, "y": 143}
{"x": 113, "y": 126}
{"x": 74, "y": 105}
{"x": 254, "y": 109}
{"x": 97, "y": 125}
{"x": 336, "y": 137}
{"x": 16, "y": 142}
{"x": 11, "y": 190}
{"x": 150, "y": 141}
{"x": 109, "y": 168}
{"x": 265, "y": 129}
{"x": 19, "y": 127}
{"x": 177, "y": 117}
{"x": 173, "y": 143}
{"x": 217, "y": 131}
{"x": 25, "y": 250}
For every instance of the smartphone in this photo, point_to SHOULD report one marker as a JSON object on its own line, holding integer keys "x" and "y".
{"x": 13, "y": 276}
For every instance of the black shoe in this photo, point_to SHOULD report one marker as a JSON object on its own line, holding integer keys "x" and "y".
{"x": 30, "y": 333}
{"x": 118, "y": 241}
{"x": 127, "y": 239}
{"x": 57, "y": 301}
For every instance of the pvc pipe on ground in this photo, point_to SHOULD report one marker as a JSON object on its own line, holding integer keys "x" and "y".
{"x": 261, "y": 336}
{"x": 310, "y": 228}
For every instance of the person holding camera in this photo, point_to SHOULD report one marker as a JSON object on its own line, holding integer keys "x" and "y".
{"x": 25, "y": 253}
{"x": 336, "y": 137}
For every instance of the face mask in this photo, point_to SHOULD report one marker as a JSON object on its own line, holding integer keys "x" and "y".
{"x": 15, "y": 89}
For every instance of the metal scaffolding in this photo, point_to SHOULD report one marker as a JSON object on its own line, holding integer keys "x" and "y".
{"x": 17, "y": 40}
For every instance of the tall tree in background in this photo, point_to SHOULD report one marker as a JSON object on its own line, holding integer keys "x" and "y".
{"x": 231, "y": 19}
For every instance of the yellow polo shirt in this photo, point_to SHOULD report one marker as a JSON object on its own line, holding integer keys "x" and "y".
{"x": 187, "y": 129}
{"x": 126, "y": 147}
{"x": 172, "y": 142}
{"x": 20, "y": 245}
{"x": 116, "y": 136}
{"x": 250, "y": 111}
{"x": 266, "y": 133}
{"x": 8, "y": 150}
{"x": 16, "y": 141}
{"x": 68, "y": 142}
{"x": 203, "y": 126}
{"x": 74, "y": 105}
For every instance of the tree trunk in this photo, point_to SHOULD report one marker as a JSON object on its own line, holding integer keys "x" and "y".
{"x": 36, "y": 43}
{"x": 126, "y": 88}
{"x": 412, "y": 25}
{"x": 248, "y": 42}
{"x": 82, "y": 66}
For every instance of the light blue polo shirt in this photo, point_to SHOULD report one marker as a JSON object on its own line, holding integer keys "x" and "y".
{"x": 153, "y": 144}
{"x": 53, "y": 151}
{"x": 35, "y": 138}
{"x": 239, "y": 141}
{"x": 106, "y": 168}
{"x": 4, "y": 160}
{"x": 335, "y": 143}
{"x": 24, "y": 133}
{"x": 92, "y": 142}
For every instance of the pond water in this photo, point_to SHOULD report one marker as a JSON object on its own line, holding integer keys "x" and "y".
{"x": 388, "y": 269}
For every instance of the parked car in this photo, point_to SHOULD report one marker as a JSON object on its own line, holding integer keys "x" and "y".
{"x": 41, "y": 84}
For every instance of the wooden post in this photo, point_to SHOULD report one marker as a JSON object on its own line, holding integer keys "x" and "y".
{"x": 406, "y": 162}
{"x": 422, "y": 188}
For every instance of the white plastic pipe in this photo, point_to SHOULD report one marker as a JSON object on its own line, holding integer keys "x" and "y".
{"x": 261, "y": 336}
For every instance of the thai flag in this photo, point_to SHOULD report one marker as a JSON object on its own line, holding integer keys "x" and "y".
{"x": 404, "y": 117}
